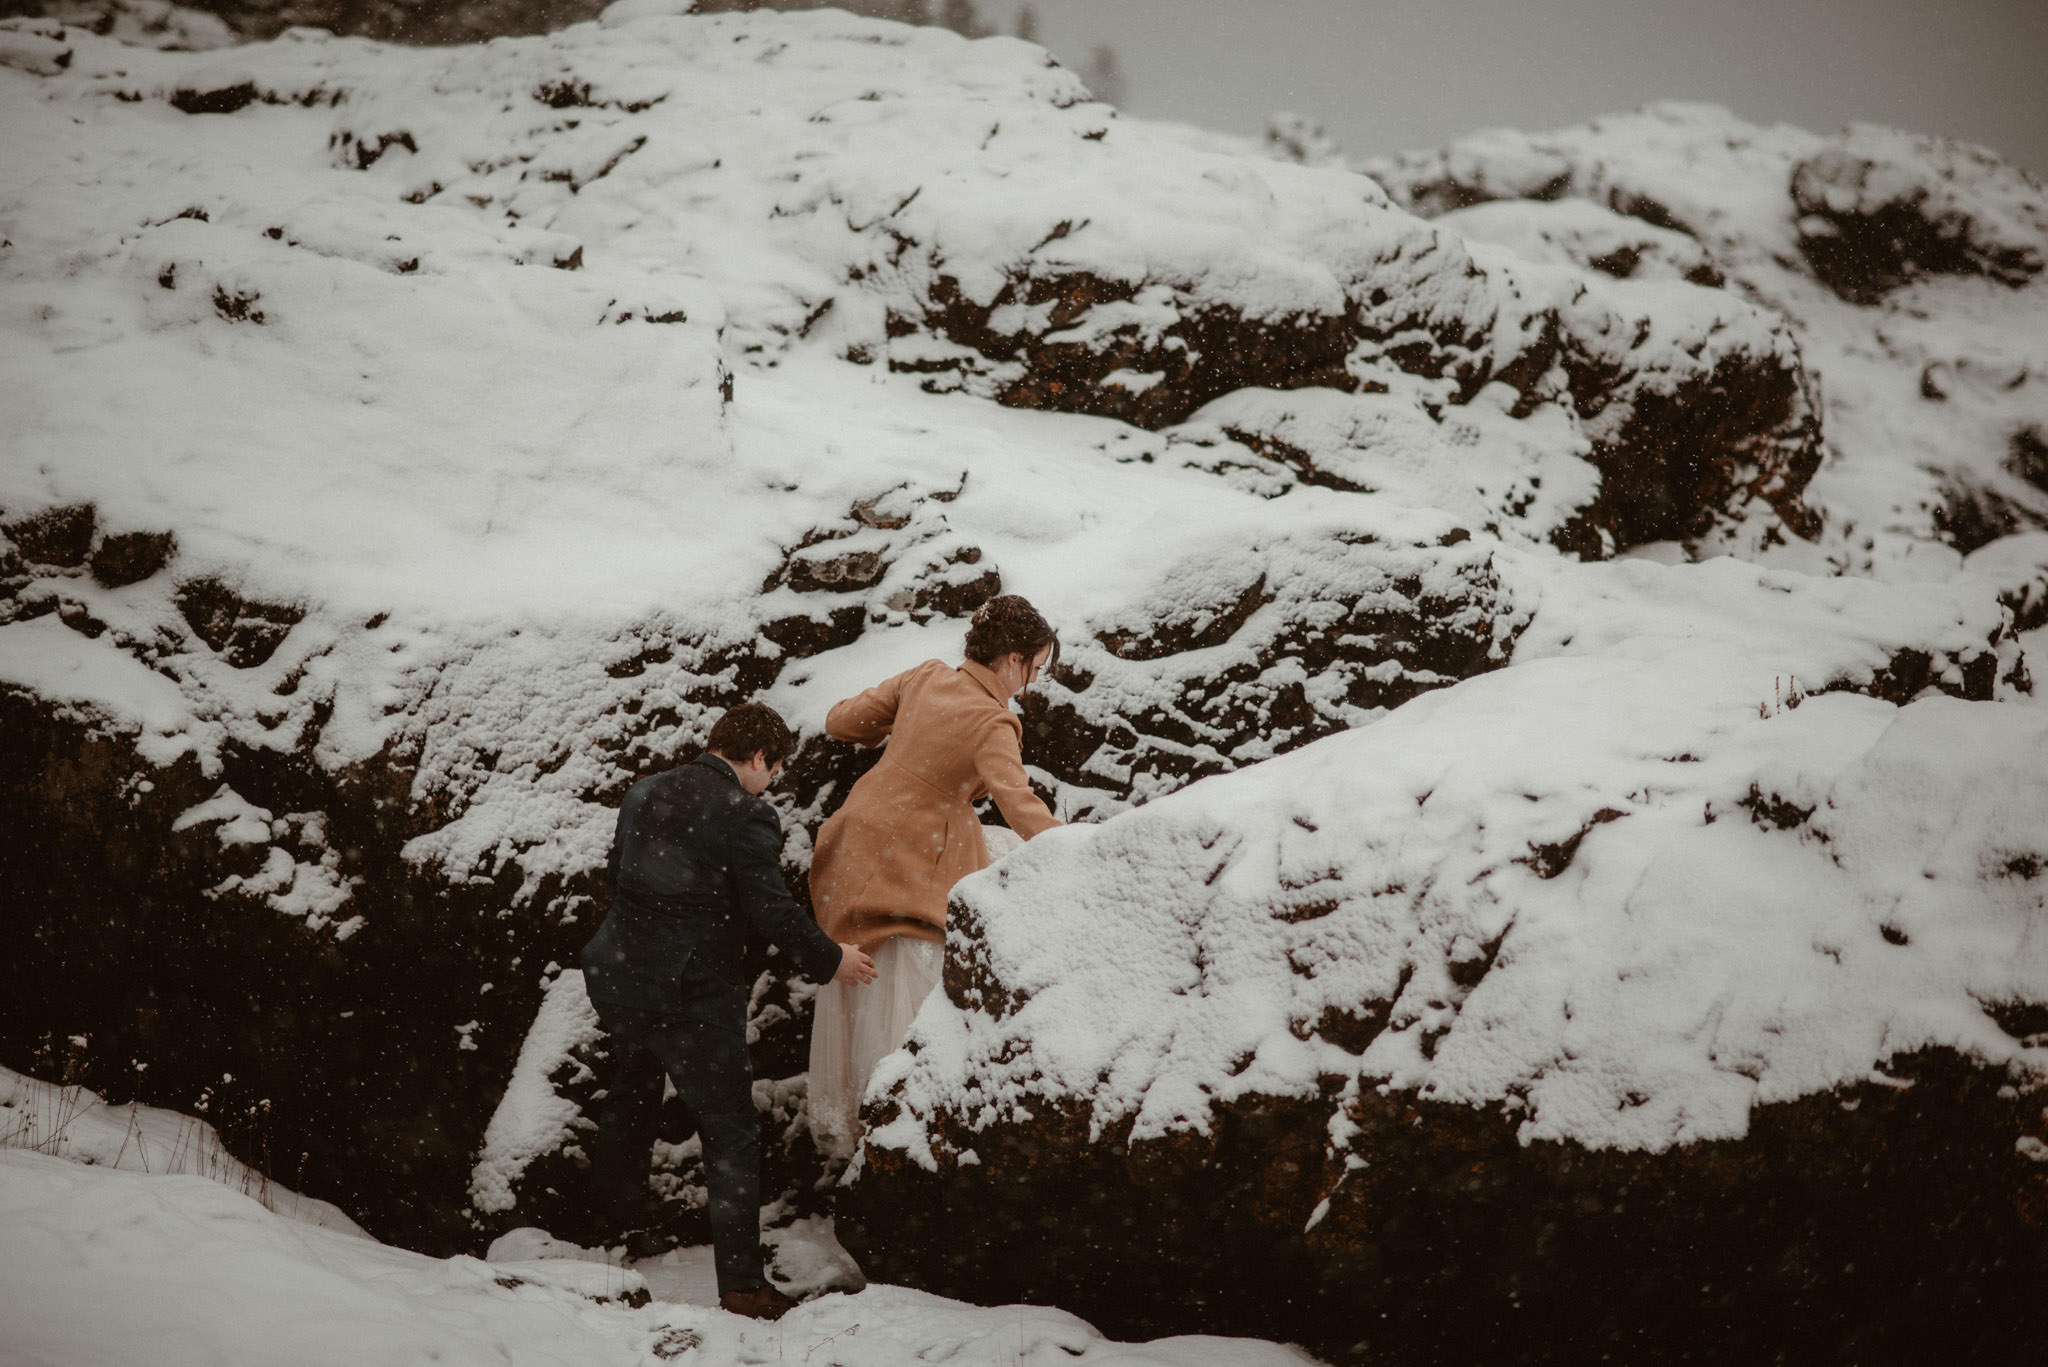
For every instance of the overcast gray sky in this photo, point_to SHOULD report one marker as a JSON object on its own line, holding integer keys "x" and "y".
{"x": 1385, "y": 75}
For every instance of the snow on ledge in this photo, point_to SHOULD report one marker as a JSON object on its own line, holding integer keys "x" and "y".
{"x": 533, "y": 1119}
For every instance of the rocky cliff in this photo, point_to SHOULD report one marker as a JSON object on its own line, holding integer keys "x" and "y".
{"x": 1575, "y": 567}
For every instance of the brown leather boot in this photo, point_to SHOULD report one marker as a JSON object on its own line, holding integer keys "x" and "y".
{"x": 762, "y": 1303}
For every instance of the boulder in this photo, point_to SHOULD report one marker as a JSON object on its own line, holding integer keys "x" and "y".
{"x": 1878, "y": 209}
{"x": 2018, "y": 567}
{"x": 1543, "y": 1018}
{"x": 1241, "y": 652}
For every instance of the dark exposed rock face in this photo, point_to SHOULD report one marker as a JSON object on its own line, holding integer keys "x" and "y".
{"x": 1874, "y": 208}
{"x": 1205, "y": 351}
{"x": 1684, "y": 436}
{"x": 1981, "y": 506}
{"x": 131, "y": 557}
{"x": 248, "y": 940}
{"x": 43, "y": 550}
{"x": 366, "y": 1047}
{"x": 59, "y": 537}
{"x": 243, "y": 631}
{"x": 1880, "y": 1223}
{"x": 1692, "y": 420}
{"x": 894, "y": 559}
{"x": 1716, "y": 441}
{"x": 326, "y": 1061}
{"x": 1245, "y": 655}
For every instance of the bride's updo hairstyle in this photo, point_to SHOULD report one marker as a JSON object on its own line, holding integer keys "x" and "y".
{"x": 1008, "y": 623}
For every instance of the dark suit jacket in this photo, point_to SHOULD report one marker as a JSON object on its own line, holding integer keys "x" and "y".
{"x": 695, "y": 861}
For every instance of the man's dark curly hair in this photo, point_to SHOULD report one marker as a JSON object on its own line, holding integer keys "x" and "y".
{"x": 750, "y": 728}
{"x": 1007, "y": 623}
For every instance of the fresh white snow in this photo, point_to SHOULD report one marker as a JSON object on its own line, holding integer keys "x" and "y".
{"x": 75, "y": 1123}
{"x": 132, "y": 1238}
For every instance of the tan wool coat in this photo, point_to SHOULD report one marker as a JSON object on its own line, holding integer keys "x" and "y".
{"x": 886, "y": 860}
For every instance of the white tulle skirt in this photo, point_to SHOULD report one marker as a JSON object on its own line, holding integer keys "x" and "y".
{"x": 855, "y": 1028}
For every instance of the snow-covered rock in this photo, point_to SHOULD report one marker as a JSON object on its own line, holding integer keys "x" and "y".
{"x": 1638, "y": 912}
{"x": 1905, "y": 266}
{"x": 1306, "y": 886}
{"x": 1879, "y": 208}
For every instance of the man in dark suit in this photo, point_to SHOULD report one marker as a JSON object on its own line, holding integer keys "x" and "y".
{"x": 695, "y": 862}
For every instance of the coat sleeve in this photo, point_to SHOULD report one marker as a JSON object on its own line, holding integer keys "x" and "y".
{"x": 765, "y": 900}
{"x": 999, "y": 763}
{"x": 867, "y": 717}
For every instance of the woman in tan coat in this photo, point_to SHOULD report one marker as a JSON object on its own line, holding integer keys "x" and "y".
{"x": 886, "y": 861}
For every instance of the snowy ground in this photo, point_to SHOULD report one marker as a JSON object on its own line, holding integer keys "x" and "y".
{"x": 131, "y": 1238}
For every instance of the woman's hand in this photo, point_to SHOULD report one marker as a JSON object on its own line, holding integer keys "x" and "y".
{"x": 856, "y": 969}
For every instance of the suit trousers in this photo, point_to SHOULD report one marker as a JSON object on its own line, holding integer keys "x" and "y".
{"x": 715, "y": 1078}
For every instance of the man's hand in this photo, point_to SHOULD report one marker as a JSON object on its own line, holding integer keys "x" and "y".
{"x": 856, "y": 969}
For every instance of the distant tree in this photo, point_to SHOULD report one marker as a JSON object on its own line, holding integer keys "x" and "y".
{"x": 1105, "y": 75}
{"x": 401, "y": 21}
{"x": 1298, "y": 138}
{"x": 960, "y": 16}
{"x": 729, "y": 6}
{"x": 903, "y": 11}
{"x": 1027, "y": 23}
{"x": 469, "y": 21}
{"x": 908, "y": 11}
